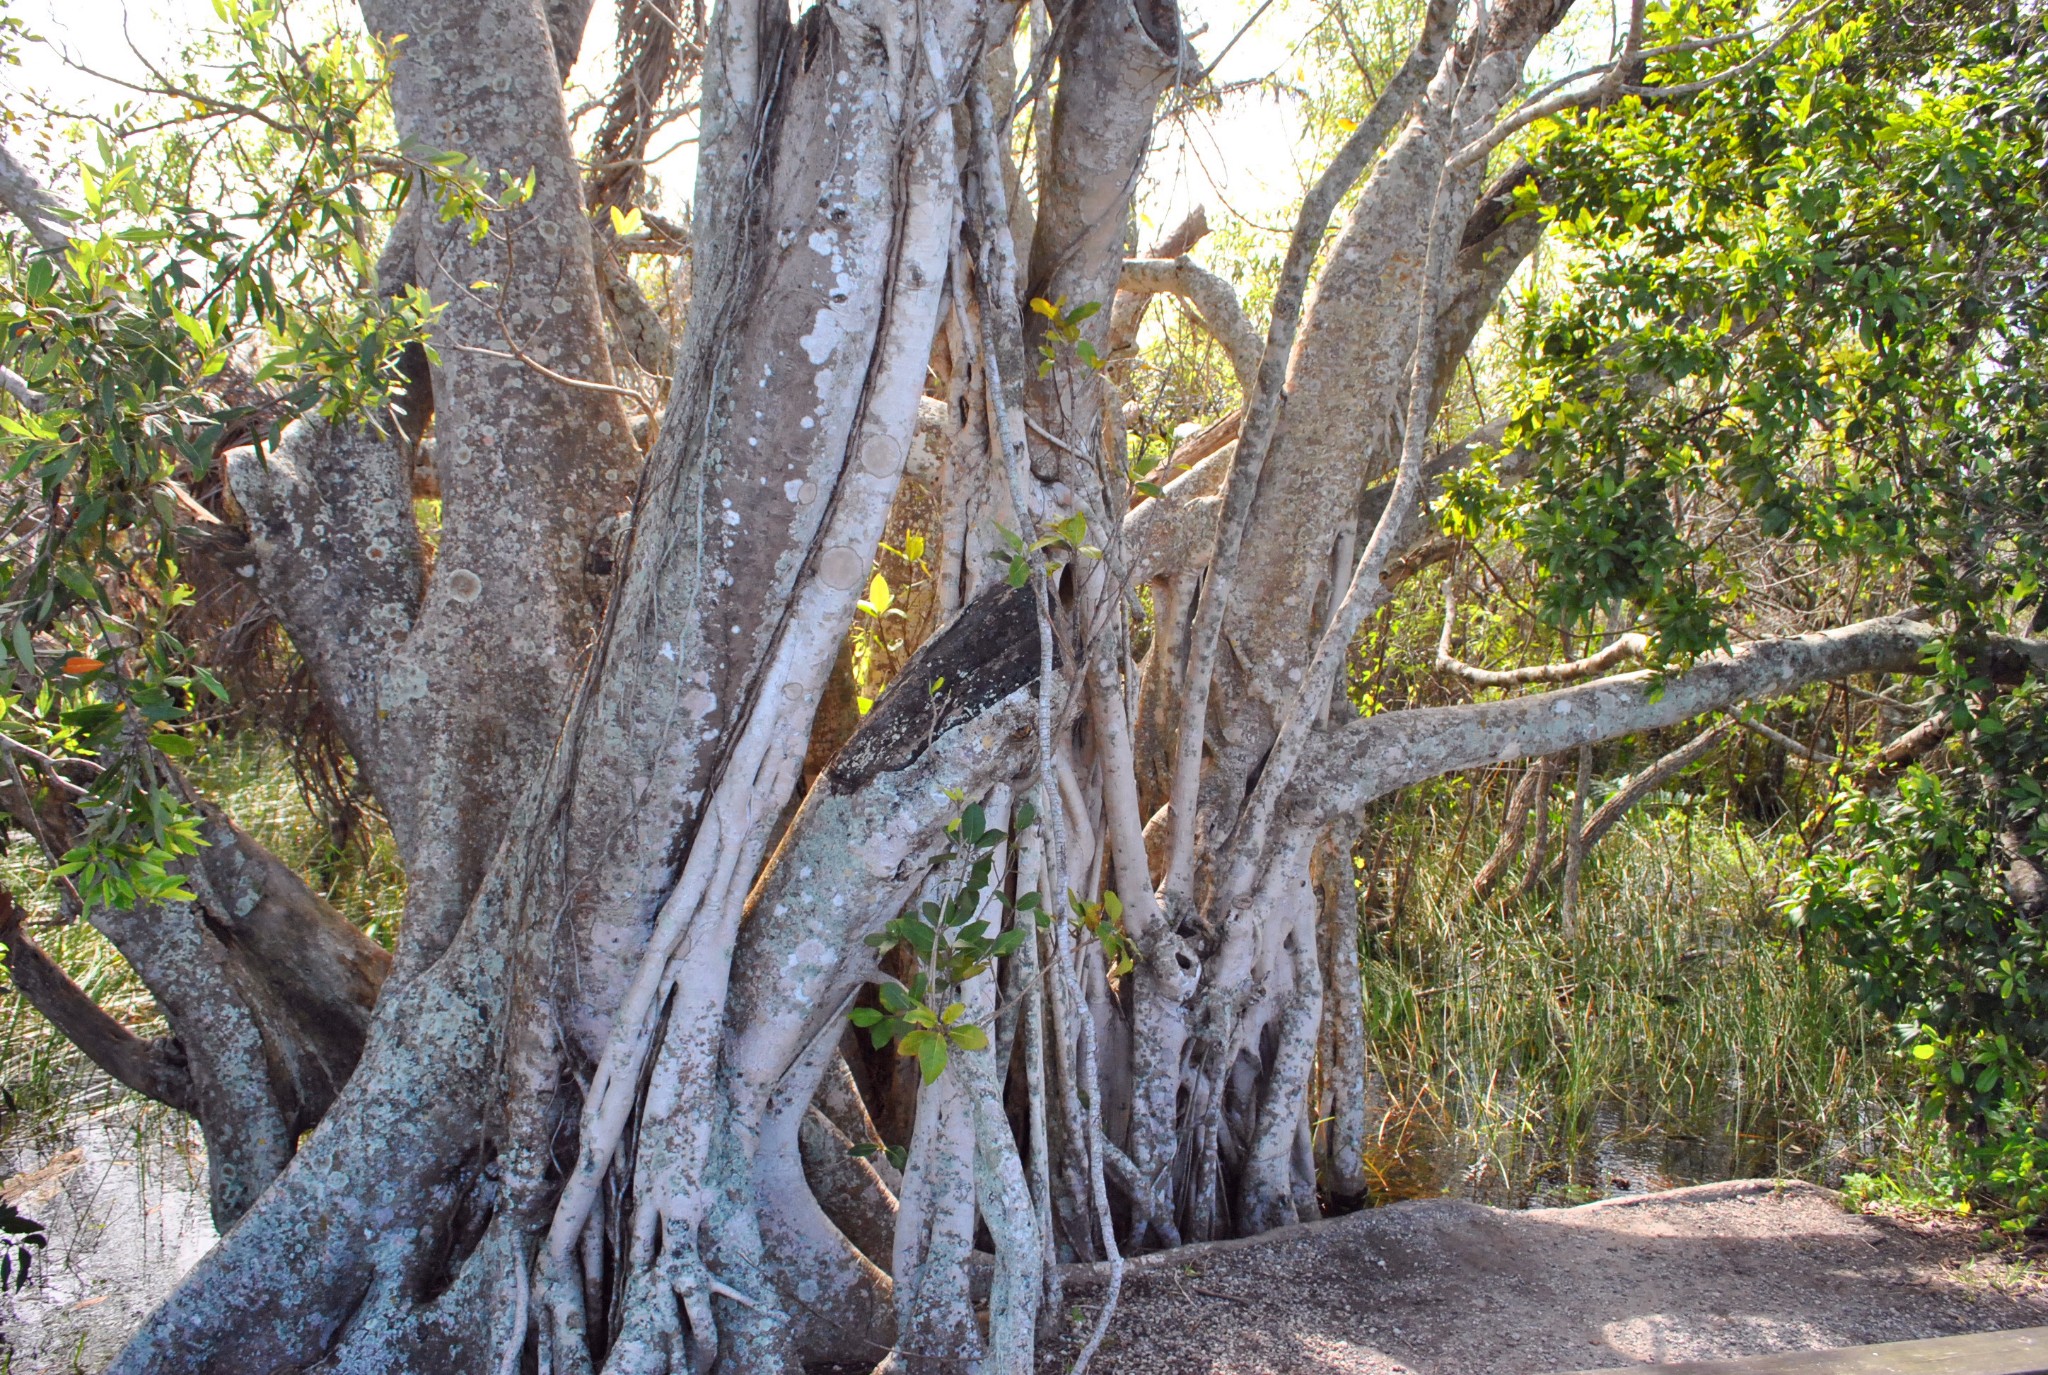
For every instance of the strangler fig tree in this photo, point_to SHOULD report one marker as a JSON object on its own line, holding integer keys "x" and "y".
{"x": 798, "y": 968}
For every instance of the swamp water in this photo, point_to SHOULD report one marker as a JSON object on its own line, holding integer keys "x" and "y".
{"x": 121, "y": 1192}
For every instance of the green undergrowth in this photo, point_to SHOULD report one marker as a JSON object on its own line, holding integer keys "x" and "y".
{"x": 1681, "y": 1034}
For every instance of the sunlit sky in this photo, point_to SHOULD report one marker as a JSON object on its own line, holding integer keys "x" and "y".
{"x": 1246, "y": 161}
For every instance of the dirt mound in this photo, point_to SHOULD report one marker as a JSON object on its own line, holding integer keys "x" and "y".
{"x": 1440, "y": 1287}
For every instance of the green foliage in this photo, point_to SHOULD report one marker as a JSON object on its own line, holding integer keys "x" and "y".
{"x": 1068, "y": 536}
{"x": 1800, "y": 339}
{"x": 1935, "y": 939}
{"x": 213, "y": 287}
{"x": 1063, "y": 330}
{"x": 1802, "y": 306}
{"x": 1932, "y": 941}
{"x": 949, "y": 942}
{"x": 1104, "y": 921}
{"x": 2007, "y": 1170}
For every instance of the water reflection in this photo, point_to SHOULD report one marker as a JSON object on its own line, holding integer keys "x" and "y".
{"x": 122, "y": 1192}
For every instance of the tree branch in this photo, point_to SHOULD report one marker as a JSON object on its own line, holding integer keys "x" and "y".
{"x": 338, "y": 557}
{"x": 16, "y": 386}
{"x": 1347, "y": 768}
{"x": 1787, "y": 743}
{"x": 1261, "y": 424}
{"x": 1914, "y": 743}
{"x": 1649, "y": 780}
{"x": 1214, "y": 301}
{"x": 26, "y": 199}
{"x": 1513, "y": 827}
{"x": 155, "y": 1069}
{"x": 1630, "y": 646}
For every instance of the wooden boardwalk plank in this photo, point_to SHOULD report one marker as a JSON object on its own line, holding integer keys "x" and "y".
{"x": 2023, "y": 1351}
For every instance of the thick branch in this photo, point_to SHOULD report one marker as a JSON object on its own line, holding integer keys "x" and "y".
{"x": 1348, "y": 768}
{"x": 1905, "y": 748}
{"x": 338, "y": 557}
{"x": 1175, "y": 532}
{"x": 1127, "y": 311}
{"x": 1214, "y": 301}
{"x": 1513, "y": 827}
{"x": 155, "y": 1069}
{"x": 1262, "y": 418}
{"x": 25, "y": 198}
{"x": 16, "y": 386}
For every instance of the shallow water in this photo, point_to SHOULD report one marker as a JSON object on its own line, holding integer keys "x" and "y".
{"x": 122, "y": 1192}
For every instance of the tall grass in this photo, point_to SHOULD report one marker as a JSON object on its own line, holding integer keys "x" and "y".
{"x": 1680, "y": 1034}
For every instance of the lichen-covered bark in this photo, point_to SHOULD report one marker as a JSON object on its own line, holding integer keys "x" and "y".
{"x": 155, "y": 1068}
{"x": 1371, "y": 757}
{"x": 450, "y": 694}
{"x": 266, "y": 988}
{"x": 1346, "y": 387}
{"x": 746, "y": 559}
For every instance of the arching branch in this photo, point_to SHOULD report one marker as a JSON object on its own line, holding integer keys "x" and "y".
{"x": 1214, "y": 301}
{"x": 1349, "y": 767}
{"x": 1630, "y": 646}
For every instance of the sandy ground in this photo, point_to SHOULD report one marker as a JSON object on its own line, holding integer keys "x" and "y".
{"x": 1440, "y": 1287}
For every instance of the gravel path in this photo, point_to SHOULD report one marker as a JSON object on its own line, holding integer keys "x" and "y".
{"x": 1440, "y": 1287}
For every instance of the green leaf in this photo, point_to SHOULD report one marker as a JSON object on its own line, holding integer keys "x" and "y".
{"x": 177, "y": 746}
{"x": 931, "y": 1058}
{"x": 970, "y": 1037}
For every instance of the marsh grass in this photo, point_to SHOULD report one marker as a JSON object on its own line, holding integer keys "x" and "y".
{"x": 1681, "y": 1034}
